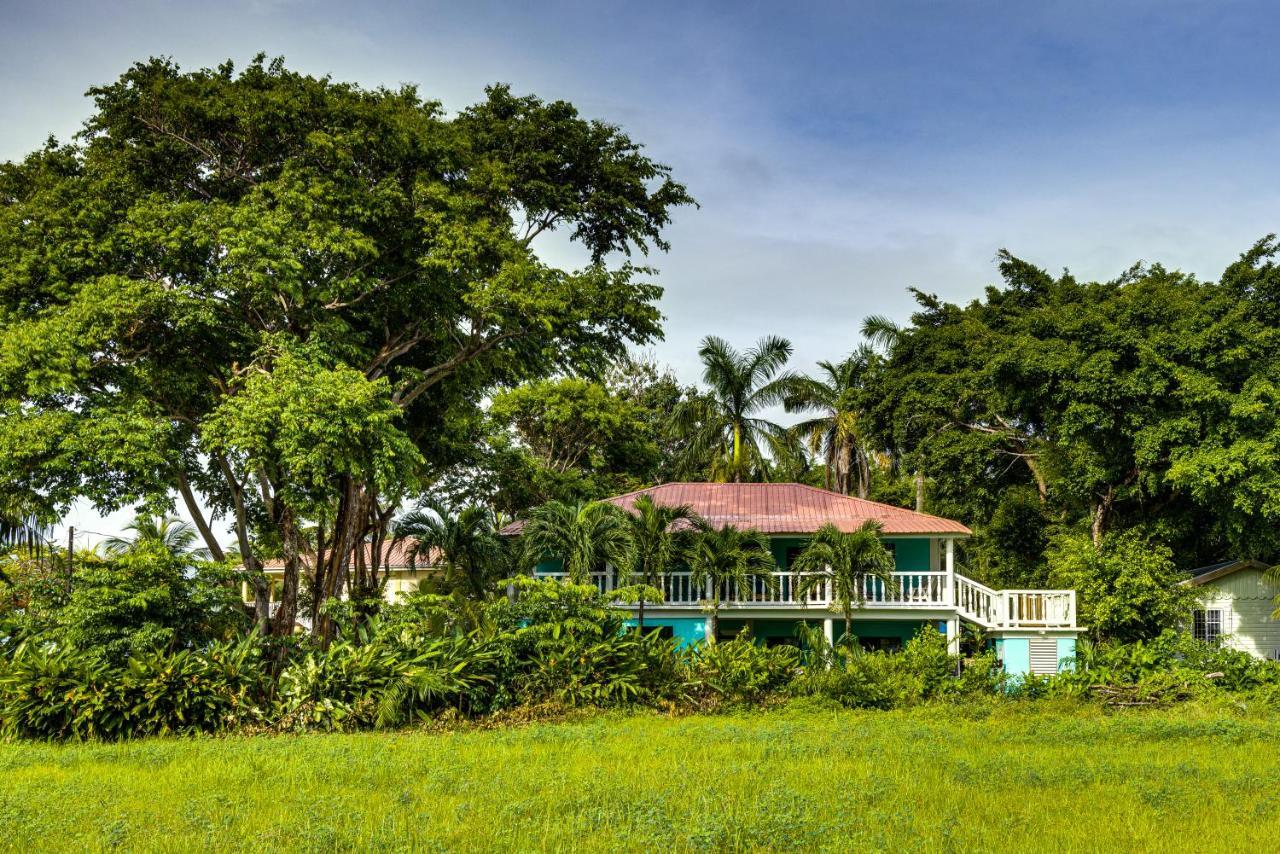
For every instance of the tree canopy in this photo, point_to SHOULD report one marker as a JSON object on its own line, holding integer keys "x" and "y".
{"x": 283, "y": 298}
{"x": 1055, "y": 404}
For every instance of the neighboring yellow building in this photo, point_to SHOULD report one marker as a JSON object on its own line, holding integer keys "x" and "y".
{"x": 402, "y": 578}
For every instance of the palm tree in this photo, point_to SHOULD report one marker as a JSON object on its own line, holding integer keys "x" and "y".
{"x": 847, "y": 560}
{"x": 656, "y": 545}
{"x": 836, "y": 433}
{"x": 466, "y": 542}
{"x": 21, "y": 528}
{"x": 175, "y": 536}
{"x": 882, "y": 332}
{"x": 587, "y": 537}
{"x": 728, "y": 555}
{"x": 722, "y": 424}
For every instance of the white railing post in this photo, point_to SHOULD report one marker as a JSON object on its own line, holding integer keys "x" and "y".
{"x": 951, "y": 570}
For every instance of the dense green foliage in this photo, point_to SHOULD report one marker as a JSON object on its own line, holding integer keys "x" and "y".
{"x": 284, "y": 299}
{"x": 554, "y": 647}
{"x": 1057, "y": 406}
{"x": 980, "y": 777}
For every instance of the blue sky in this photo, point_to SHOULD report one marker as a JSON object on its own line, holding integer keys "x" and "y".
{"x": 841, "y": 152}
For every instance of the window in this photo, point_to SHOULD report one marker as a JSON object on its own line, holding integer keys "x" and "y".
{"x": 664, "y": 632}
{"x": 1206, "y": 625}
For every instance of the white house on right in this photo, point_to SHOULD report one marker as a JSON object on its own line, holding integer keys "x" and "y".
{"x": 1236, "y": 603}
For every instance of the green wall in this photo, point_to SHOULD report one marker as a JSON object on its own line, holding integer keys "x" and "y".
{"x": 551, "y": 564}
{"x": 911, "y": 553}
{"x": 903, "y": 630}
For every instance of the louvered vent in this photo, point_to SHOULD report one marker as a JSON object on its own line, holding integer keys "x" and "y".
{"x": 1044, "y": 655}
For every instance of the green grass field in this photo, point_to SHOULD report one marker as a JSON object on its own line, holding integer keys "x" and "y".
{"x": 1017, "y": 778}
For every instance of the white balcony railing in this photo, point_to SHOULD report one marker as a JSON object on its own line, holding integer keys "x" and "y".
{"x": 1011, "y": 609}
{"x": 993, "y": 609}
{"x": 910, "y": 589}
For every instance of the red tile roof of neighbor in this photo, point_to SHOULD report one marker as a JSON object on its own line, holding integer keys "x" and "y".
{"x": 783, "y": 508}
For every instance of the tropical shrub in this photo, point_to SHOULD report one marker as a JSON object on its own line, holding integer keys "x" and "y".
{"x": 741, "y": 671}
{"x": 50, "y": 692}
{"x": 923, "y": 671}
{"x": 1127, "y": 587}
{"x": 1169, "y": 667}
{"x": 143, "y": 599}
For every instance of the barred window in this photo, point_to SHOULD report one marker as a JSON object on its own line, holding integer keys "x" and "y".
{"x": 1206, "y": 625}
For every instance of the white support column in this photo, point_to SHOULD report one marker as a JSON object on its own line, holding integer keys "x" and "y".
{"x": 951, "y": 570}
{"x": 953, "y": 622}
{"x": 829, "y": 629}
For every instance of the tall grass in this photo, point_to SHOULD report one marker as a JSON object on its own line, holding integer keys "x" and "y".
{"x": 1008, "y": 776}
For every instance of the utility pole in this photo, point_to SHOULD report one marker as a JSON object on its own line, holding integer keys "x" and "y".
{"x": 71, "y": 552}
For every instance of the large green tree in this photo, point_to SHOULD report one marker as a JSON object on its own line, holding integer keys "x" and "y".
{"x": 282, "y": 298}
{"x": 1132, "y": 403}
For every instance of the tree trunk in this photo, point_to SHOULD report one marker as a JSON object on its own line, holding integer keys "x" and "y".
{"x": 737, "y": 453}
{"x": 640, "y": 616}
{"x": 1101, "y": 512}
{"x": 252, "y": 566}
{"x": 848, "y": 627}
{"x": 864, "y": 474}
{"x": 713, "y": 625}
{"x": 919, "y": 490}
{"x": 287, "y": 612}
{"x": 1042, "y": 488}
{"x": 197, "y": 516}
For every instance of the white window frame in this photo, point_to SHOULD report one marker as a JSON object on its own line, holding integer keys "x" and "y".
{"x": 1202, "y": 628}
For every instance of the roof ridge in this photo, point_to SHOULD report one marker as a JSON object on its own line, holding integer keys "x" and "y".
{"x": 893, "y": 507}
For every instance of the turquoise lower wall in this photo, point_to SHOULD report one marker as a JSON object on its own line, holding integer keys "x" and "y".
{"x": 686, "y": 630}
{"x": 1016, "y": 654}
{"x": 1066, "y": 654}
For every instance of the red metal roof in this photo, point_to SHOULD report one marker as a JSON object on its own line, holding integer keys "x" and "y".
{"x": 784, "y": 508}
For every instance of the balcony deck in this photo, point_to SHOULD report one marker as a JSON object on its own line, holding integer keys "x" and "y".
{"x": 924, "y": 591}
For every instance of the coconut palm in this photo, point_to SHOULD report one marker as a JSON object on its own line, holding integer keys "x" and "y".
{"x": 847, "y": 561}
{"x": 882, "y": 332}
{"x": 21, "y": 528}
{"x": 465, "y": 541}
{"x": 588, "y": 537}
{"x": 836, "y": 432}
{"x": 723, "y": 424}
{"x": 656, "y": 544}
{"x": 728, "y": 556}
{"x": 177, "y": 537}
